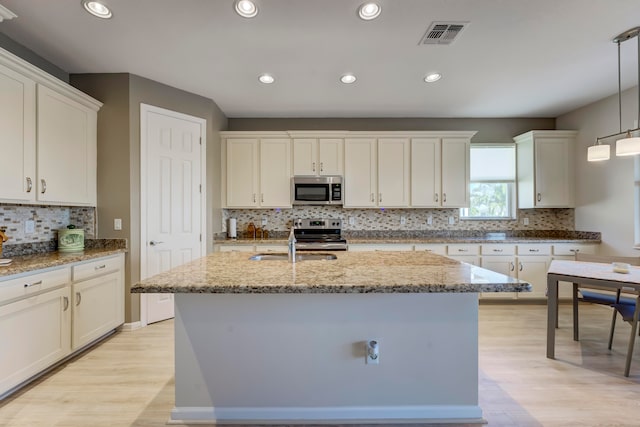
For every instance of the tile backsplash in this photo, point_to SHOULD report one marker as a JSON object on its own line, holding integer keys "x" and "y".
{"x": 47, "y": 219}
{"x": 279, "y": 220}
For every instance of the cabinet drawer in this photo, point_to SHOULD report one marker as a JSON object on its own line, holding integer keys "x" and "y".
{"x": 573, "y": 248}
{"x": 272, "y": 248}
{"x": 534, "y": 249}
{"x": 237, "y": 248}
{"x": 498, "y": 249}
{"x": 455, "y": 250}
{"x": 95, "y": 268}
{"x": 31, "y": 284}
{"x": 364, "y": 247}
{"x": 434, "y": 249}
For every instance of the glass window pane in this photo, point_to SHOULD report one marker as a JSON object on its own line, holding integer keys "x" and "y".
{"x": 489, "y": 200}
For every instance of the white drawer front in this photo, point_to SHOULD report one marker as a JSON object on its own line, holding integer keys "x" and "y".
{"x": 457, "y": 250}
{"x": 96, "y": 268}
{"x": 573, "y": 248}
{"x": 13, "y": 289}
{"x": 534, "y": 249}
{"x": 498, "y": 249}
{"x": 434, "y": 249}
{"x": 272, "y": 248}
{"x": 237, "y": 248}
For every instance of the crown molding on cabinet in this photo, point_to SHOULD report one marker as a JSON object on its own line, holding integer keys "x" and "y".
{"x": 6, "y": 14}
{"x": 41, "y": 77}
{"x": 347, "y": 134}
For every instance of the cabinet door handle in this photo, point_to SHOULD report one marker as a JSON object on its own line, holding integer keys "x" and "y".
{"x": 520, "y": 269}
{"x": 513, "y": 266}
{"x": 436, "y": 197}
{"x": 254, "y": 197}
{"x": 497, "y": 250}
{"x": 66, "y": 303}
{"x": 29, "y": 185}
{"x": 100, "y": 267}
{"x": 78, "y": 298}
{"x": 444, "y": 197}
{"x": 44, "y": 185}
{"x": 262, "y": 197}
{"x": 380, "y": 197}
{"x": 313, "y": 166}
{"x": 539, "y": 197}
{"x": 462, "y": 250}
{"x": 28, "y": 285}
{"x": 575, "y": 251}
{"x": 534, "y": 250}
{"x": 372, "y": 197}
{"x": 321, "y": 167}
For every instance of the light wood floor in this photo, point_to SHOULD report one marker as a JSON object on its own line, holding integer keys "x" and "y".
{"x": 128, "y": 379}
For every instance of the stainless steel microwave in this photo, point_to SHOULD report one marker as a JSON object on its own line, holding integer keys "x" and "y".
{"x": 316, "y": 190}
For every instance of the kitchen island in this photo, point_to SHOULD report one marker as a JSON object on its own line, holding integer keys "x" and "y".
{"x": 276, "y": 342}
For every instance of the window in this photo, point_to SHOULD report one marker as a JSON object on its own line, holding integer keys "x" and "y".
{"x": 492, "y": 187}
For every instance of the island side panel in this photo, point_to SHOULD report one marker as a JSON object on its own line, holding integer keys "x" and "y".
{"x": 302, "y": 356}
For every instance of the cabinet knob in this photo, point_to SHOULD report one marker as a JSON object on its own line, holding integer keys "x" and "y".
{"x": 313, "y": 166}
{"x": 497, "y": 250}
{"x": 534, "y": 250}
{"x": 321, "y": 167}
{"x": 436, "y": 197}
{"x": 380, "y": 197}
{"x": 444, "y": 197}
{"x": 29, "y": 185}
{"x": 254, "y": 197}
{"x": 372, "y": 198}
{"x": 44, "y": 186}
{"x": 100, "y": 267}
{"x": 539, "y": 197}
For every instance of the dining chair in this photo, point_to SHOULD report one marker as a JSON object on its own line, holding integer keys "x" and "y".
{"x": 623, "y": 301}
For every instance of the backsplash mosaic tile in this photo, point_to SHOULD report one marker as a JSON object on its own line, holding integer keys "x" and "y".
{"x": 356, "y": 220}
{"x": 47, "y": 219}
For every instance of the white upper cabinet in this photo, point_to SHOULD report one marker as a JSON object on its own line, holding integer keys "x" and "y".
{"x": 258, "y": 172}
{"x": 360, "y": 175}
{"x": 18, "y": 141}
{"x": 440, "y": 171}
{"x": 455, "y": 172}
{"x": 49, "y": 141}
{"x": 66, "y": 148}
{"x": 393, "y": 172}
{"x": 545, "y": 169}
{"x": 318, "y": 156}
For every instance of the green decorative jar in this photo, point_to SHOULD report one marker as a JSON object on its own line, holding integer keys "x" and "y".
{"x": 70, "y": 240}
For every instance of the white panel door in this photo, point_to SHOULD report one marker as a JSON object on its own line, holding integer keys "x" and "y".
{"x": 275, "y": 173}
{"x": 331, "y": 156}
{"x": 393, "y": 172}
{"x": 66, "y": 149}
{"x": 18, "y": 140}
{"x": 425, "y": 172}
{"x": 360, "y": 172}
{"x": 242, "y": 173}
{"x": 455, "y": 172}
{"x": 305, "y": 156}
{"x": 173, "y": 219}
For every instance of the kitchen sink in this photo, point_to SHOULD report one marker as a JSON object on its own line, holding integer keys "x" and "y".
{"x": 299, "y": 257}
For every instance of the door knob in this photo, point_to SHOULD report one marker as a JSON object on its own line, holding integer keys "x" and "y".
{"x": 155, "y": 242}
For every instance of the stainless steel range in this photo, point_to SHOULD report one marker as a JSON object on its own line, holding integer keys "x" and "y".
{"x": 319, "y": 235}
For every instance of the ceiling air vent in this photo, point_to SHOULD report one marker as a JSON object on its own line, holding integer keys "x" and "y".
{"x": 443, "y": 32}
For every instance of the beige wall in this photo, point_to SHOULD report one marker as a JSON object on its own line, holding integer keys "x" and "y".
{"x": 119, "y": 158}
{"x": 489, "y": 130}
{"x": 604, "y": 190}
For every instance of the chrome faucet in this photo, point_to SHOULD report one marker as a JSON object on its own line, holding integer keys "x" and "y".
{"x": 292, "y": 246}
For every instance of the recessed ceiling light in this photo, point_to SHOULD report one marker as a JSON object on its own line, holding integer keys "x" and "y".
{"x": 97, "y": 8}
{"x": 348, "y": 78}
{"x": 266, "y": 78}
{"x": 433, "y": 77}
{"x": 369, "y": 11}
{"x": 246, "y": 8}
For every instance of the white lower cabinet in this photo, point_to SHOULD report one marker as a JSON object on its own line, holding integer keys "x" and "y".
{"x": 35, "y": 333}
{"x": 468, "y": 253}
{"x": 235, "y": 248}
{"x": 501, "y": 259}
{"x": 365, "y": 247}
{"x": 438, "y": 249}
{"x": 48, "y": 314}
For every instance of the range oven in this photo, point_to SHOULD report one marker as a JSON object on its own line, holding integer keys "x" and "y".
{"x": 319, "y": 235}
{"x": 316, "y": 190}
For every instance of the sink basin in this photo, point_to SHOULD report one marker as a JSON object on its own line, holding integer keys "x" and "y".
{"x": 299, "y": 257}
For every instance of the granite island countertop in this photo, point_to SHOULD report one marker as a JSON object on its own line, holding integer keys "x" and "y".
{"x": 351, "y": 272}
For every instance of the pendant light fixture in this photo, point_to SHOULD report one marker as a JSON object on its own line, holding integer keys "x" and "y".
{"x": 628, "y": 145}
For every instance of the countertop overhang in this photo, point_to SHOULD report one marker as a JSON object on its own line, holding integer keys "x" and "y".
{"x": 351, "y": 272}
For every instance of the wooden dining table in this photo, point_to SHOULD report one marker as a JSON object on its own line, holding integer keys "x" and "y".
{"x": 587, "y": 274}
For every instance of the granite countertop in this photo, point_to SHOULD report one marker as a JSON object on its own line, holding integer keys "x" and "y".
{"x": 352, "y": 272}
{"x": 28, "y": 263}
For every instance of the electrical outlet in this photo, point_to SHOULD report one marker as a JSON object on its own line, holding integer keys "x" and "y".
{"x": 263, "y": 221}
{"x": 525, "y": 221}
{"x": 452, "y": 220}
{"x": 429, "y": 220}
{"x": 117, "y": 223}
{"x": 352, "y": 220}
{"x": 403, "y": 220}
{"x": 29, "y": 226}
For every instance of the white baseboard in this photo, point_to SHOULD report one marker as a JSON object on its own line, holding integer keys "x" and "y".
{"x": 127, "y": 327}
{"x": 448, "y": 414}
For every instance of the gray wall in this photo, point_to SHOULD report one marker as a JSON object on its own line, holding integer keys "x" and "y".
{"x": 119, "y": 158}
{"x": 32, "y": 57}
{"x": 605, "y": 190}
{"x": 489, "y": 130}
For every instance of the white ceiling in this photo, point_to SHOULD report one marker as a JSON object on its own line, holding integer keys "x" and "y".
{"x": 517, "y": 58}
